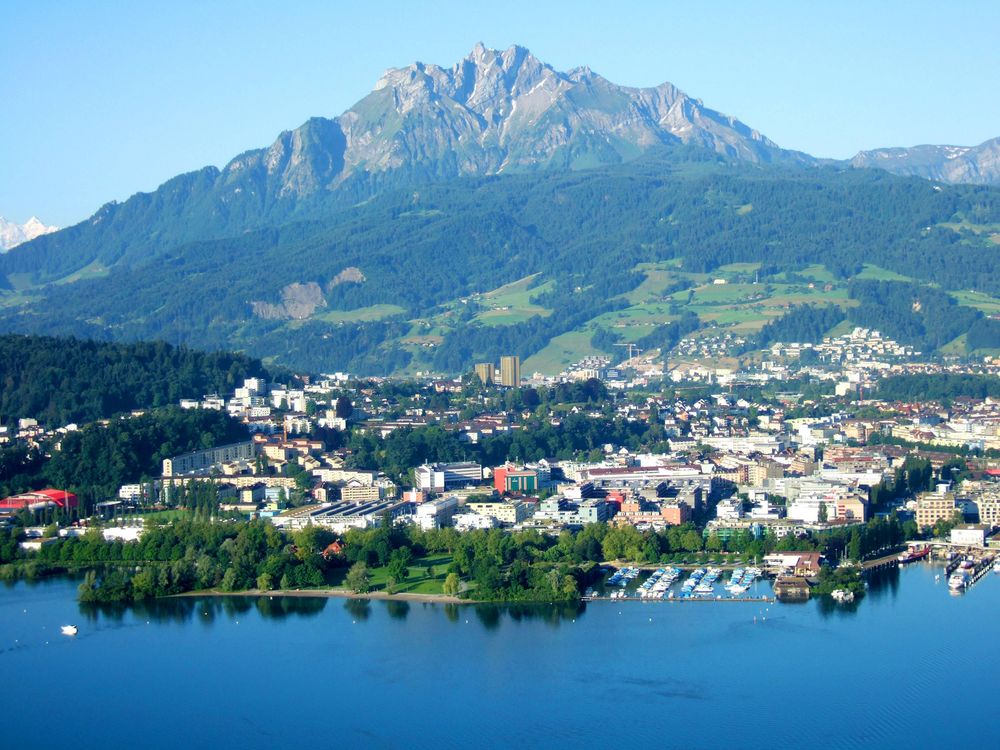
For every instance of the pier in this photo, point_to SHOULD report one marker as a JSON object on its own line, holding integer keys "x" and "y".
{"x": 744, "y": 600}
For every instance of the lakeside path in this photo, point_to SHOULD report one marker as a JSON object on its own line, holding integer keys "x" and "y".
{"x": 332, "y": 594}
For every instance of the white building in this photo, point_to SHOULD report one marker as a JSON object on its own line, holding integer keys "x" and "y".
{"x": 969, "y": 536}
{"x": 439, "y": 477}
{"x": 470, "y": 521}
{"x": 437, "y": 513}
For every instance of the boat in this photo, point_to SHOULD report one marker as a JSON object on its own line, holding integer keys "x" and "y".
{"x": 996, "y": 566}
{"x": 68, "y": 630}
{"x": 913, "y": 554}
{"x": 842, "y": 596}
{"x": 958, "y": 581}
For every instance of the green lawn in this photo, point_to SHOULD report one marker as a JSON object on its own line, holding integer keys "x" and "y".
{"x": 978, "y": 300}
{"x": 511, "y": 303}
{"x": 561, "y": 351}
{"x": 417, "y": 583}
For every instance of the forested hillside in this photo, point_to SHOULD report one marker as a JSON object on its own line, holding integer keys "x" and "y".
{"x": 62, "y": 380}
{"x": 413, "y": 255}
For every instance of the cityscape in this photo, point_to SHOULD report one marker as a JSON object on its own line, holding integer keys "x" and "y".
{"x": 408, "y": 376}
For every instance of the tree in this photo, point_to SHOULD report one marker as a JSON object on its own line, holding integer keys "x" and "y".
{"x": 452, "y": 584}
{"x": 358, "y": 578}
{"x": 713, "y": 543}
{"x": 691, "y": 541}
{"x": 822, "y": 517}
{"x": 344, "y": 408}
{"x": 265, "y": 582}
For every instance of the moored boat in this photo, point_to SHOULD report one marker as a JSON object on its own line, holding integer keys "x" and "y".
{"x": 913, "y": 554}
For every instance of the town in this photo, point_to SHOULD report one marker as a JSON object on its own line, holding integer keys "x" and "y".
{"x": 794, "y": 467}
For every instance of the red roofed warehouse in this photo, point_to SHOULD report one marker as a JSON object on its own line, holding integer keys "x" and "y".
{"x": 40, "y": 499}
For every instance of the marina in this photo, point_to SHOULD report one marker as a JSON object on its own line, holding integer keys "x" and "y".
{"x": 700, "y": 585}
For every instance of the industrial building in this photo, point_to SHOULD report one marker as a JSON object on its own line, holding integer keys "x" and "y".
{"x": 202, "y": 462}
{"x": 40, "y": 499}
{"x": 441, "y": 477}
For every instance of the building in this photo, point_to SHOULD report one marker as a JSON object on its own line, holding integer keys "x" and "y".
{"x": 441, "y": 477}
{"x": 505, "y": 513}
{"x": 510, "y": 371}
{"x": 521, "y": 481}
{"x": 970, "y": 536}
{"x": 989, "y": 511}
{"x": 437, "y": 513}
{"x": 40, "y": 499}
{"x": 202, "y": 462}
{"x": 933, "y": 507}
{"x": 486, "y": 372}
{"x": 472, "y": 521}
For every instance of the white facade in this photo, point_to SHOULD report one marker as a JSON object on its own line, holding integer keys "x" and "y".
{"x": 969, "y": 536}
{"x": 437, "y": 513}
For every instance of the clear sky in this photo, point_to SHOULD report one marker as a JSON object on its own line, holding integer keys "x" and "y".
{"x": 105, "y": 99}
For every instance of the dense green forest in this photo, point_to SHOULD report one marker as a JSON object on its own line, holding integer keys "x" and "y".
{"x": 96, "y": 460}
{"x": 63, "y": 380}
{"x": 422, "y": 250}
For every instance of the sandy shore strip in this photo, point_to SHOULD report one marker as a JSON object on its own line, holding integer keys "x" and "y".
{"x": 332, "y": 594}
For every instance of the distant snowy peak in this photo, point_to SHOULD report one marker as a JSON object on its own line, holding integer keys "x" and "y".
{"x": 13, "y": 234}
{"x": 980, "y": 164}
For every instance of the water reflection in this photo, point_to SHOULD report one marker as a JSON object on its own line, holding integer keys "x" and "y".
{"x": 205, "y": 609}
{"x": 882, "y": 582}
{"x": 358, "y": 609}
{"x": 398, "y": 610}
{"x": 827, "y": 607}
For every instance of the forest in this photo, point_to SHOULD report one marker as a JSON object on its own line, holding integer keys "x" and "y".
{"x": 62, "y": 380}
{"x": 422, "y": 250}
{"x": 97, "y": 459}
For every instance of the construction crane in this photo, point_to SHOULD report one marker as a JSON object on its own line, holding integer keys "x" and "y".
{"x": 630, "y": 346}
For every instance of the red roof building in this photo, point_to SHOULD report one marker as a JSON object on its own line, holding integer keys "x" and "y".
{"x": 41, "y": 498}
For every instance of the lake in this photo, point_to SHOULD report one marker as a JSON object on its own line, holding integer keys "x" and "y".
{"x": 909, "y": 666}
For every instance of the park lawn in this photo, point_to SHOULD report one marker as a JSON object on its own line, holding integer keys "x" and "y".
{"x": 416, "y": 583}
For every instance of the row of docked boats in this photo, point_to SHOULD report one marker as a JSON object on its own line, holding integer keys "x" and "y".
{"x": 701, "y": 582}
{"x": 623, "y": 576}
{"x": 741, "y": 579}
{"x": 655, "y": 587}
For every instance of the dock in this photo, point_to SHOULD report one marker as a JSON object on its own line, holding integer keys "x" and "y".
{"x": 744, "y": 600}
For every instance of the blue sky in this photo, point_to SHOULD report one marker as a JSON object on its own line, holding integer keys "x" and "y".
{"x": 105, "y": 99}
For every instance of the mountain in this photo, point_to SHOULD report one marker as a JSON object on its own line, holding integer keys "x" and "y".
{"x": 491, "y": 113}
{"x": 13, "y": 234}
{"x": 956, "y": 164}
{"x": 500, "y": 206}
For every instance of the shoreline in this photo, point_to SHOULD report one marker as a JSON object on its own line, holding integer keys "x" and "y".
{"x": 332, "y": 594}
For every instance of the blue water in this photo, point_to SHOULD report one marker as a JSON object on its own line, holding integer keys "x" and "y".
{"x": 911, "y": 666}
